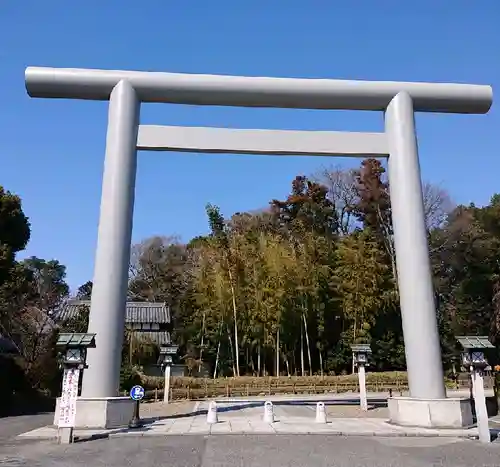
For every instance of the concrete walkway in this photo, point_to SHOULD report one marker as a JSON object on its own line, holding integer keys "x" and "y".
{"x": 340, "y": 397}
{"x": 246, "y": 418}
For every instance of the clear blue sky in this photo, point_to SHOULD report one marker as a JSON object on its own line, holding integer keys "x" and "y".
{"x": 52, "y": 150}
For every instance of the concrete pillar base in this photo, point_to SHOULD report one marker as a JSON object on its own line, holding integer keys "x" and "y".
{"x": 430, "y": 413}
{"x": 101, "y": 412}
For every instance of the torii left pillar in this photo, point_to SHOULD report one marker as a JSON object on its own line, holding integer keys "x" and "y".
{"x": 100, "y": 405}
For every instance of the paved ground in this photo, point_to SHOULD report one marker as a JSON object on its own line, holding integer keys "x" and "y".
{"x": 254, "y": 451}
{"x": 291, "y": 417}
{"x": 13, "y": 426}
{"x": 338, "y": 408}
{"x": 272, "y": 447}
{"x": 176, "y": 409}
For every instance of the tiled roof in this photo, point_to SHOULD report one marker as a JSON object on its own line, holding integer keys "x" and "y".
{"x": 475, "y": 342}
{"x": 137, "y": 312}
{"x": 74, "y": 339}
{"x": 158, "y": 337}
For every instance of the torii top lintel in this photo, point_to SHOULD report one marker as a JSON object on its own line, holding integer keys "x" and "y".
{"x": 242, "y": 91}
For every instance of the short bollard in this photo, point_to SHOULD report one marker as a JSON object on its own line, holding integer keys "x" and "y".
{"x": 268, "y": 412}
{"x": 320, "y": 413}
{"x": 212, "y": 413}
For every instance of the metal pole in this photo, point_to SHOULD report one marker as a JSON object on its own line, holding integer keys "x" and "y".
{"x": 136, "y": 419}
{"x": 418, "y": 311}
{"x": 107, "y": 310}
{"x": 362, "y": 387}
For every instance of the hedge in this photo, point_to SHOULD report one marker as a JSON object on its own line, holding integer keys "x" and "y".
{"x": 244, "y": 386}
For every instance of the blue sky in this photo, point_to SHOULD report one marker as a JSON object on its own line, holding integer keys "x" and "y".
{"x": 52, "y": 150}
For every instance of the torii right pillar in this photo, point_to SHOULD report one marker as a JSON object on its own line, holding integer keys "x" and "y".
{"x": 427, "y": 404}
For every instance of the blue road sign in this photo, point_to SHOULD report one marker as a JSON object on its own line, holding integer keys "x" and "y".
{"x": 137, "y": 393}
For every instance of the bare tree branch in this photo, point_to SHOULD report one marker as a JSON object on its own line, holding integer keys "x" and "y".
{"x": 342, "y": 192}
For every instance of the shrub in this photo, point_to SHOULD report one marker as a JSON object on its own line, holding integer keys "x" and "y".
{"x": 129, "y": 377}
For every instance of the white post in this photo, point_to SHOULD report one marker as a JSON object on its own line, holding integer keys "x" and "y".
{"x": 212, "y": 413}
{"x": 480, "y": 405}
{"x": 268, "y": 412}
{"x": 167, "y": 384}
{"x": 321, "y": 413}
{"x": 362, "y": 388}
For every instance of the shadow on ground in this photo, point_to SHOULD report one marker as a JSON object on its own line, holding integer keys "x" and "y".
{"x": 224, "y": 407}
{"x": 27, "y": 405}
{"x": 83, "y": 439}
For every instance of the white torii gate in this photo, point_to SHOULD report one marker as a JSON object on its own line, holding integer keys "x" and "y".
{"x": 126, "y": 90}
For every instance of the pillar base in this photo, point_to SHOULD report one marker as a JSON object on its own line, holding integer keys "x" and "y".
{"x": 101, "y": 412}
{"x": 430, "y": 413}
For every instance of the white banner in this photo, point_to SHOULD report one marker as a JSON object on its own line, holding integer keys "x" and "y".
{"x": 67, "y": 404}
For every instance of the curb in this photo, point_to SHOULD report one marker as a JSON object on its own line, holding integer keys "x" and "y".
{"x": 368, "y": 434}
{"x": 365, "y": 434}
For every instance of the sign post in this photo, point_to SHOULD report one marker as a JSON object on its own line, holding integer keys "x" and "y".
{"x": 136, "y": 394}
{"x": 67, "y": 405}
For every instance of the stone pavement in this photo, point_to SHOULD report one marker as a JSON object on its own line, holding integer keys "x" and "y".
{"x": 291, "y": 417}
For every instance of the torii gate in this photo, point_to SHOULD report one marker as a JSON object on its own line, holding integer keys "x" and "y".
{"x": 126, "y": 90}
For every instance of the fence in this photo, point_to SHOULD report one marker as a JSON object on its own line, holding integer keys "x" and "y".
{"x": 208, "y": 388}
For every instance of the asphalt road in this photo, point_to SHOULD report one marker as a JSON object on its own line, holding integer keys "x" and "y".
{"x": 254, "y": 451}
{"x": 13, "y": 426}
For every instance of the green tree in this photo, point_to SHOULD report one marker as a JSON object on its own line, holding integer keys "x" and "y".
{"x": 14, "y": 236}
{"x": 48, "y": 282}
{"x": 229, "y": 265}
{"x": 85, "y": 291}
{"x": 307, "y": 207}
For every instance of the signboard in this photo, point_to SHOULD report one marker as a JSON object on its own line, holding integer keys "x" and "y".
{"x": 137, "y": 393}
{"x": 67, "y": 403}
{"x": 171, "y": 350}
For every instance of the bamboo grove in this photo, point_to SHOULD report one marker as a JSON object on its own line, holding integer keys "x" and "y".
{"x": 287, "y": 290}
{"x": 284, "y": 290}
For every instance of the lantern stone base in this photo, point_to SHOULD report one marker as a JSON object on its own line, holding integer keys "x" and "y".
{"x": 101, "y": 412}
{"x": 430, "y": 413}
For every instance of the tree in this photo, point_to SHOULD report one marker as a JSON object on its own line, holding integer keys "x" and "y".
{"x": 283, "y": 289}
{"x": 85, "y": 291}
{"x": 14, "y": 236}
{"x": 306, "y": 208}
{"x": 14, "y": 226}
{"x": 48, "y": 282}
{"x": 466, "y": 271}
{"x": 373, "y": 208}
{"x": 157, "y": 271}
{"x": 360, "y": 273}
{"x": 229, "y": 265}
{"x": 437, "y": 206}
{"x": 343, "y": 194}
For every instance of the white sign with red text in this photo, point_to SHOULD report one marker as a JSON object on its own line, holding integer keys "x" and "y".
{"x": 67, "y": 405}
